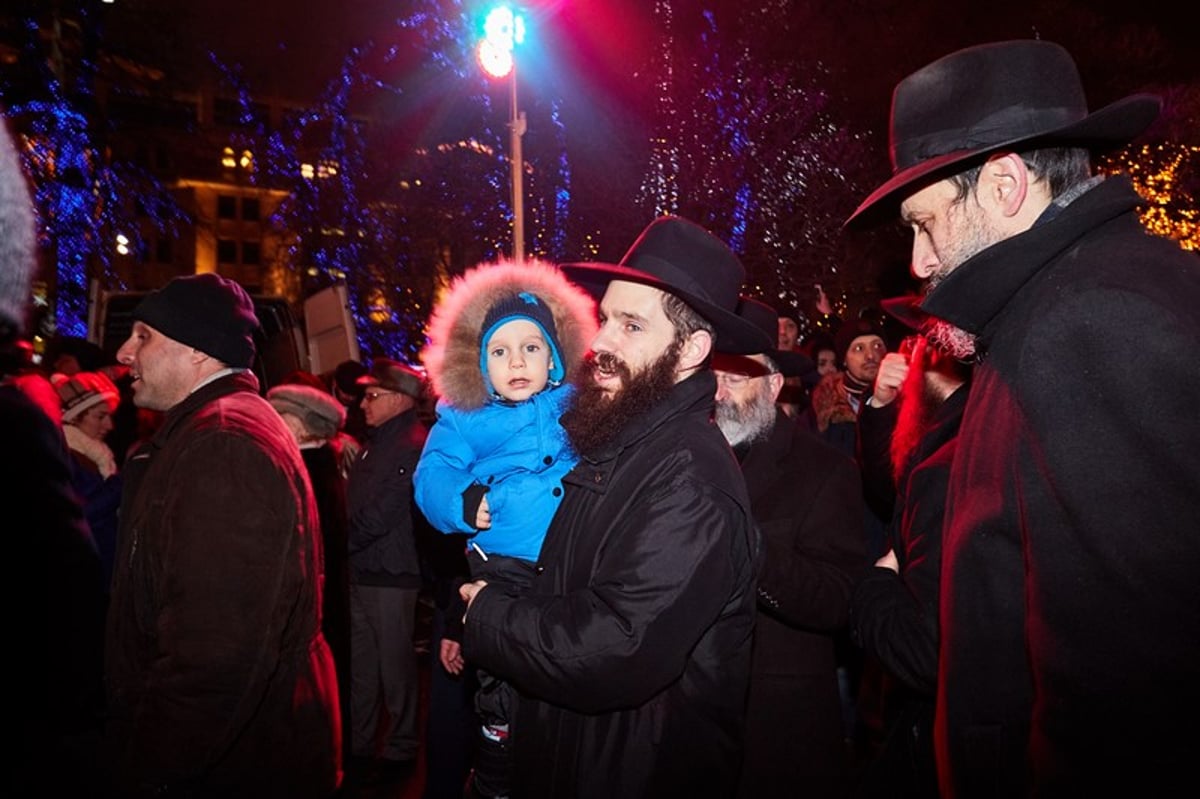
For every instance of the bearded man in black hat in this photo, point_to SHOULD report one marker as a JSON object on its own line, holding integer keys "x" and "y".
{"x": 631, "y": 652}
{"x": 1070, "y": 641}
{"x": 807, "y": 499}
{"x": 220, "y": 682}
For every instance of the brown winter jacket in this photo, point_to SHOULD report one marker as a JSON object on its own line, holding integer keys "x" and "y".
{"x": 219, "y": 681}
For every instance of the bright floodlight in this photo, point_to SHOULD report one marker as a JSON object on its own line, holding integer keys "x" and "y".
{"x": 502, "y": 31}
{"x": 495, "y": 61}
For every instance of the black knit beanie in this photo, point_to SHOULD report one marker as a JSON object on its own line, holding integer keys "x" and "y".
{"x": 208, "y": 312}
{"x": 850, "y": 330}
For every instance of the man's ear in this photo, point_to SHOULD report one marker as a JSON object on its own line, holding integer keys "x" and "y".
{"x": 775, "y": 382}
{"x": 1004, "y": 185}
{"x": 695, "y": 350}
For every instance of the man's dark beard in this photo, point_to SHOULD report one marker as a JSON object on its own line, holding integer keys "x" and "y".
{"x": 595, "y": 418}
{"x": 932, "y": 377}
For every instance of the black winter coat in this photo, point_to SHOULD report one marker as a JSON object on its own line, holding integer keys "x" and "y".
{"x": 807, "y": 501}
{"x": 894, "y": 616}
{"x": 1071, "y": 576}
{"x": 631, "y": 652}
{"x": 383, "y": 517}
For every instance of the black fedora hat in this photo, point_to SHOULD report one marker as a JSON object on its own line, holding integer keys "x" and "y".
{"x": 989, "y": 97}
{"x": 907, "y": 310}
{"x": 791, "y": 363}
{"x": 682, "y": 258}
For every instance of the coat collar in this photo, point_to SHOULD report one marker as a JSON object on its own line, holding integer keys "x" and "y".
{"x": 974, "y": 294}
{"x": 400, "y": 421}
{"x": 233, "y": 383}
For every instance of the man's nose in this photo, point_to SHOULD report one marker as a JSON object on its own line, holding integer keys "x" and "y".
{"x": 924, "y": 260}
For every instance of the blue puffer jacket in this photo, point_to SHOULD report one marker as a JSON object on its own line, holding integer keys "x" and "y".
{"x": 518, "y": 451}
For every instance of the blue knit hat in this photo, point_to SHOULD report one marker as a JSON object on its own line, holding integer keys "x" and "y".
{"x": 522, "y": 306}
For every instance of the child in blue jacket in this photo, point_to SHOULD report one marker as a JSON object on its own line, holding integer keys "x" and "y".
{"x": 502, "y": 344}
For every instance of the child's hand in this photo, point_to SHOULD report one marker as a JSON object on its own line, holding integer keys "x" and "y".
{"x": 483, "y": 516}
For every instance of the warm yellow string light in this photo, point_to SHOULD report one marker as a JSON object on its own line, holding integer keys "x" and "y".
{"x": 1156, "y": 171}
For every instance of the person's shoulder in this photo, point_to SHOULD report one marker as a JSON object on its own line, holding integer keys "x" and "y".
{"x": 24, "y": 420}
{"x": 808, "y": 448}
{"x": 412, "y": 430}
{"x": 691, "y": 444}
{"x": 554, "y": 397}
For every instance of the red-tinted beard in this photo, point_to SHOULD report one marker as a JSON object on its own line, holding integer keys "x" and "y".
{"x": 918, "y": 403}
{"x": 596, "y": 417}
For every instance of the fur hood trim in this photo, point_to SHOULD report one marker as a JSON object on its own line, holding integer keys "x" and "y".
{"x": 451, "y": 357}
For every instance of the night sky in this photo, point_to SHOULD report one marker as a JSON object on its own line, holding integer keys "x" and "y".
{"x": 589, "y": 52}
{"x": 596, "y": 44}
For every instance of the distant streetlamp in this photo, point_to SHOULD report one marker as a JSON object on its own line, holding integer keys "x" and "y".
{"x": 502, "y": 31}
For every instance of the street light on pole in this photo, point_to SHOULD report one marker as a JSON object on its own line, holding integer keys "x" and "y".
{"x": 502, "y": 31}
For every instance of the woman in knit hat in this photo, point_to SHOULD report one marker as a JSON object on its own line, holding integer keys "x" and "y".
{"x": 503, "y": 343}
{"x": 88, "y": 401}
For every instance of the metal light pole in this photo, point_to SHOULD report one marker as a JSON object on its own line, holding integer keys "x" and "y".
{"x": 503, "y": 30}
{"x": 516, "y": 125}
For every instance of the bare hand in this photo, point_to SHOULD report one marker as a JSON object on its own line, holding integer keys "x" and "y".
{"x": 892, "y": 372}
{"x": 451, "y": 656}
{"x": 483, "y": 516}
{"x": 468, "y": 591}
{"x": 823, "y": 304}
{"x": 889, "y": 561}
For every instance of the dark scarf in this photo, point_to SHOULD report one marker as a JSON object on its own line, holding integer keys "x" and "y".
{"x": 854, "y": 387}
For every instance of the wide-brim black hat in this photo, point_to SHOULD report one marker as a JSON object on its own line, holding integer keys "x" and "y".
{"x": 682, "y": 258}
{"x": 990, "y": 97}
{"x": 907, "y": 310}
{"x": 791, "y": 363}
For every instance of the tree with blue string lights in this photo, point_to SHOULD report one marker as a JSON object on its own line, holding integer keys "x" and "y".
{"x": 87, "y": 202}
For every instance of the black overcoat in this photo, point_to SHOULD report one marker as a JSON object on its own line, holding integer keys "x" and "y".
{"x": 806, "y": 497}
{"x": 631, "y": 652}
{"x": 1070, "y": 607}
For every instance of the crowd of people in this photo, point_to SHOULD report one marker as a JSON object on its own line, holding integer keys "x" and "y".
{"x": 671, "y": 549}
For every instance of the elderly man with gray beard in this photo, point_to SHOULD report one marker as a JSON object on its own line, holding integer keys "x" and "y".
{"x": 806, "y": 498}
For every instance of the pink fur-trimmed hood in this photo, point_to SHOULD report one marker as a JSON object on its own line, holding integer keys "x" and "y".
{"x": 452, "y": 356}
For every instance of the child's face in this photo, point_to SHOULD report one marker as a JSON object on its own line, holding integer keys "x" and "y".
{"x": 518, "y": 360}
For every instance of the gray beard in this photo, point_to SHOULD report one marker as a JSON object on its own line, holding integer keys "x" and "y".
{"x": 952, "y": 340}
{"x": 749, "y": 423}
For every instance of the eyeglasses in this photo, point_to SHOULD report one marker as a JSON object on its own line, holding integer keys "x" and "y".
{"x": 371, "y": 396}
